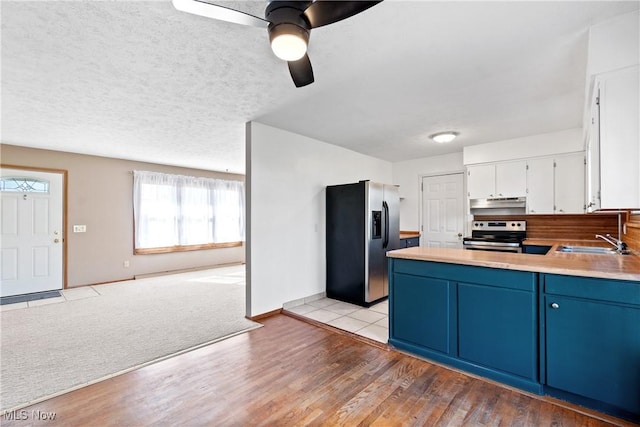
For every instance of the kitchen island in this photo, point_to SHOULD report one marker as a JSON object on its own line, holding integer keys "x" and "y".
{"x": 562, "y": 324}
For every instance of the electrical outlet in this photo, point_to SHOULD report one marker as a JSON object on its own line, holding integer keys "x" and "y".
{"x": 79, "y": 228}
{"x": 126, "y": 264}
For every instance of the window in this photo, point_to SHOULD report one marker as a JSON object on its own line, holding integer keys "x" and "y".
{"x": 23, "y": 185}
{"x": 176, "y": 212}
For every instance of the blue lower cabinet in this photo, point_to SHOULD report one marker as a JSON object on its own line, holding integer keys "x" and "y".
{"x": 575, "y": 338}
{"x": 593, "y": 346}
{"x": 479, "y": 319}
{"x": 497, "y": 328}
{"x": 422, "y": 311}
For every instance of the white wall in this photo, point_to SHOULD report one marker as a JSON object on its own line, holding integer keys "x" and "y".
{"x": 408, "y": 175}
{"x": 100, "y": 196}
{"x": 614, "y": 44}
{"x": 286, "y": 176}
{"x": 546, "y": 144}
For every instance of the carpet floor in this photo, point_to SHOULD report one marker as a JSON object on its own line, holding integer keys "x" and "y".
{"x": 51, "y": 349}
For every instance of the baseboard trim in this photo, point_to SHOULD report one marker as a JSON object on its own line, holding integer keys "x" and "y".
{"x": 265, "y": 315}
{"x": 185, "y": 270}
{"x": 161, "y": 273}
{"x": 301, "y": 301}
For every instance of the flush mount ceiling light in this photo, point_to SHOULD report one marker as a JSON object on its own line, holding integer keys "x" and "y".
{"x": 444, "y": 137}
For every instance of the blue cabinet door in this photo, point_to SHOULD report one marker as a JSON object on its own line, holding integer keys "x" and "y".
{"x": 497, "y": 328}
{"x": 421, "y": 311}
{"x": 593, "y": 350}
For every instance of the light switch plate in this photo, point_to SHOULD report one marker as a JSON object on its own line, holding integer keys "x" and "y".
{"x": 79, "y": 228}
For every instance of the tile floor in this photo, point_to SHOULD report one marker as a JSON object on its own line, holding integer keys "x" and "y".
{"x": 71, "y": 294}
{"x": 372, "y": 322}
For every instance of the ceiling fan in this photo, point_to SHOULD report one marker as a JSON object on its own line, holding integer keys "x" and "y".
{"x": 288, "y": 23}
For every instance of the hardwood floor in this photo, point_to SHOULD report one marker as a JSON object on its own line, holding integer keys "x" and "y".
{"x": 293, "y": 373}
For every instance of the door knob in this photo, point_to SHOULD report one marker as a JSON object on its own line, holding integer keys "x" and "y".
{"x": 555, "y": 305}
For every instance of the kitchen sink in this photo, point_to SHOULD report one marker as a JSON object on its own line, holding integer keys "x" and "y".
{"x": 586, "y": 250}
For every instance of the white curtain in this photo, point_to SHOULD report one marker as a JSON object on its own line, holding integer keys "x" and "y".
{"x": 178, "y": 210}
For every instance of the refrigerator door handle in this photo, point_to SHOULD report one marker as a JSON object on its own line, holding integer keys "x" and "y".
{"x": 385, "y": 207}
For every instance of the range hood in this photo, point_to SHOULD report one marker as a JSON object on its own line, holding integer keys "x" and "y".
{"x": 498, "y": 206}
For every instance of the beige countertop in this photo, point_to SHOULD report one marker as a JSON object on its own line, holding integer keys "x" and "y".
{"x": 409, "y": 234}
{"x": 623, "y": 267}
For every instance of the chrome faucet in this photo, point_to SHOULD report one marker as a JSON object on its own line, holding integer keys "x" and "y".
{"x": 617, "y": 243}
{"x": 621, "y": 247}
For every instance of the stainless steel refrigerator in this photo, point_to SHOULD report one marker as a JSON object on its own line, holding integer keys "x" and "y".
{"x": 363, "y": 223}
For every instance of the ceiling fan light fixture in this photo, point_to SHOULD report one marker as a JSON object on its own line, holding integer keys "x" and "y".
{"x": 444, "y": 137}
{"x": 288, "y": 41}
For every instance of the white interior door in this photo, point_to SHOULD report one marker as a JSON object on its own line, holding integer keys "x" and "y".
{"x": 31, "y": 206}
{"x": 442, "y": 211}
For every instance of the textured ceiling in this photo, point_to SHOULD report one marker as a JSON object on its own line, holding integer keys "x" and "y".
{"x": 143, "y": 81}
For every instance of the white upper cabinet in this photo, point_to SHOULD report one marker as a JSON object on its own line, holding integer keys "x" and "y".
{"x": 511, "y": 179}
{"x": 569, "y": 179}
{"x": 619, "y": 144}
{"x": 556, "y": 184}
{"x": 592, "y": 189}
{"x": 491, "y": 180}
{"x": 612, "y": 121}
{"x": 481, "y": 181}
{"x": 540, "y": 198}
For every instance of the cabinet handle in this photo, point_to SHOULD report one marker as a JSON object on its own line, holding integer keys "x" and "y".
{"x": 555, "y": 305}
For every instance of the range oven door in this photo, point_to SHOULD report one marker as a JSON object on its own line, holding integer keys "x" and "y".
{"x": 492, "y": 246}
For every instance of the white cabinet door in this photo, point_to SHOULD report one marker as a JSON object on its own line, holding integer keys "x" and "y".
{"x": 511, "y": 179}
{"x": 481, "y": 181}
{"x": 592, "y": 171}
{"x": 569, "y": 183}
{"x": 540, "y": 186}
{"x": 620, "y": 139}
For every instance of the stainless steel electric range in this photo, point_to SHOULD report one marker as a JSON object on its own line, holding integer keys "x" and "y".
{"x": 497, "y": 236}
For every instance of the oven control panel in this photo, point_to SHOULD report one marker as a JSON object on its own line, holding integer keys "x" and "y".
{"x": 512, "y": 225}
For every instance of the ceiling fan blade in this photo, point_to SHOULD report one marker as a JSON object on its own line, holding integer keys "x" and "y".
{"x": 208, "y": 10}
{"x": 301, "y": 71}
{"x": 327, "y": 12}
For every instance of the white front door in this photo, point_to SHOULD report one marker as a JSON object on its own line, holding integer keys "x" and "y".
{"x": 442, "y": 211}
{"x": 31, "y": 229}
